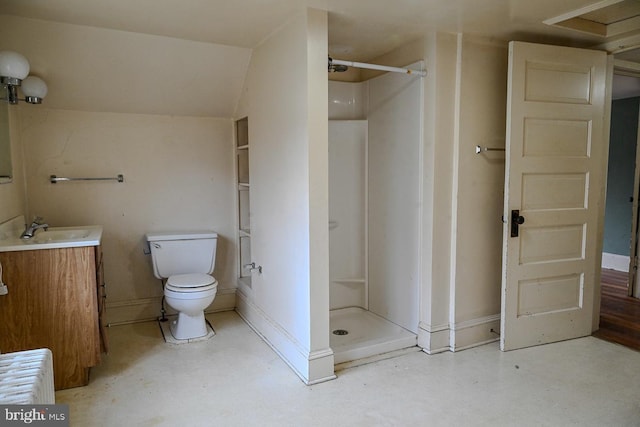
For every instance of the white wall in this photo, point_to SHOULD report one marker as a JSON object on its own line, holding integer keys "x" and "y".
{"x": 464, "y": 104}
{"x": 178, "y": 175}
{"x": 348, "y": 101}
{"x": 286, "y": 99}
{"x": 348, "y": 212}
{"x": 479, "y": 183}
{"x": 395, "y": 139}
{"x": 347, "y": 193}
{"x": 285, "y": 95}
{"x": 122, "y": 102}
{"x": 97, "y": 69}
{"x": 439, "y": 51}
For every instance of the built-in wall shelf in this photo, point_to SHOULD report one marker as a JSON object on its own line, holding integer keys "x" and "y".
{"x": 242, "y": 179}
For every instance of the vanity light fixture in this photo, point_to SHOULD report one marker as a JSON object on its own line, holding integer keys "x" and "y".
{"x": 14, "y": 69}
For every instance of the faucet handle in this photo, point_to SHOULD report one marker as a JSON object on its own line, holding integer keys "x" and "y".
{"x": 37, "y": 219}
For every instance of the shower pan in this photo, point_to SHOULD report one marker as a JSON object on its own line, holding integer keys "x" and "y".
{"x": 357, "y": 333}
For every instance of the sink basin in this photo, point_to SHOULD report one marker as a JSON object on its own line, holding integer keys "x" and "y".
{"x": 53, "y": 238}
{"x": 50, "y": 236}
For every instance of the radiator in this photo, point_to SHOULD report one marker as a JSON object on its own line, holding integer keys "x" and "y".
{"x": 26, "y": 377}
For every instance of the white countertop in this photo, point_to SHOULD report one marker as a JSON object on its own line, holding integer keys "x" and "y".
{"x": 84, "y": 235}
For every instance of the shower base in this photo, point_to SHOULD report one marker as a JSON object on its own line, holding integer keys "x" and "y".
{"x": 366, "y": 335}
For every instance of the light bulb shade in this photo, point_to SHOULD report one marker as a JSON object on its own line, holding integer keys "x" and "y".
{"x": 34, "y": 87}
{"x": 13, "y": 65}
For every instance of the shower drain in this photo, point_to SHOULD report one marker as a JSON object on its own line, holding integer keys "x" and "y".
{"x": 340, "y": 332}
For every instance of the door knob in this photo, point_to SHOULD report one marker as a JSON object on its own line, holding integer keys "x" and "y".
{"x": 516, "y": 222}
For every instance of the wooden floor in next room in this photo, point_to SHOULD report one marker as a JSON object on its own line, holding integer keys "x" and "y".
{"x": 619, "y": 313}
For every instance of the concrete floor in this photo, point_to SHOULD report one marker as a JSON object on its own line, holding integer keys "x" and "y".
{"x": 235, "y": 379}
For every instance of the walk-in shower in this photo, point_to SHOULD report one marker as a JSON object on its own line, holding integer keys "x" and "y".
{"x": 374, "y": 209}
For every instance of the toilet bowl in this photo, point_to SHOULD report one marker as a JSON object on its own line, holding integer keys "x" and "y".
{"x": 186, "y": 260}
{"x": 189, "y": 295}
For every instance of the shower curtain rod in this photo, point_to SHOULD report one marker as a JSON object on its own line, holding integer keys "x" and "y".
{"x": 420, "y": 73}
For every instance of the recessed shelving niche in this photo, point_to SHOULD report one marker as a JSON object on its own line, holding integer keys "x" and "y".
{"x": 244, "y": 209}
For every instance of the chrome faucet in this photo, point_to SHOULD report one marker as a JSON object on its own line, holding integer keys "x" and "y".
{"x": 30, "y": 229}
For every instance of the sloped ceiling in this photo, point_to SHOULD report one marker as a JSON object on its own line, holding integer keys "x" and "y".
{"x": 94, "y": 69}
{"x": 364, "y": 29}
{"x": 189, "y": 57}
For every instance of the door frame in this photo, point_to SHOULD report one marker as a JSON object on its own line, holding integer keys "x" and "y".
{"x": 632, "y": 69}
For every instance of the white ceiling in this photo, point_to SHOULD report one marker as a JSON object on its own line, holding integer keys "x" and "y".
{"x": 189, "y": 57}
{"x": 625, "y": 86}
{"x": 358, "y": 29}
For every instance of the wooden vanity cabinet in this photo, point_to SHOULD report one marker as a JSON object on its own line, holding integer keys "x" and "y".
{"x": 102, "y": 300}
{"x": 54, "y": 300}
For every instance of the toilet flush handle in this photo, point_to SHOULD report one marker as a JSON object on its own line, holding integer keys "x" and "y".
{"x": 252, "y": 267}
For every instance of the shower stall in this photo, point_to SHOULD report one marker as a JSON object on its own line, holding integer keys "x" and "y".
{"x": 375, "y": 133}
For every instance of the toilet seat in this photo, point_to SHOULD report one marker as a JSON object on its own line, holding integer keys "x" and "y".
{"x": 191, "y": 282}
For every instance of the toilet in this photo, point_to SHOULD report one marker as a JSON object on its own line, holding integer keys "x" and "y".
{"x": 186, "y": 260}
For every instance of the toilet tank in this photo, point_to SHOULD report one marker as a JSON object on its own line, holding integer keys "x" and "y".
{"x": 182, "y": 252}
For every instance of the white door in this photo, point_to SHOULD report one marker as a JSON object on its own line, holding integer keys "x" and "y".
{"x": 556, "y": 147}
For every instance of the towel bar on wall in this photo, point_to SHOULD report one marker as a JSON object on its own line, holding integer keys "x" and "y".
{"x": 53, "y": 179}
{"x": 480, "y": 149}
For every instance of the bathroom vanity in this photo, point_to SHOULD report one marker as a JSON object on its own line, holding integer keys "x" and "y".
{"x": 55, "y": 299}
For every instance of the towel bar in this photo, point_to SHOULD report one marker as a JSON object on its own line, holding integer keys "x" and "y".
{"x": 480, "y": 149}
{"x": 54, "y": 179}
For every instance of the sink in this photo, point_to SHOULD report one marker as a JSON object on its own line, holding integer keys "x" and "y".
{"x": 51, "y": 236}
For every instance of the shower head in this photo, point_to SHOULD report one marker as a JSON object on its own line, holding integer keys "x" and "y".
{"x": 336, "y": 68}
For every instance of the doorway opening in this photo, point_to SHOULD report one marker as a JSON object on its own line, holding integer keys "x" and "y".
{"x": 620, "y": 244}
{"x": 619, "y": 303}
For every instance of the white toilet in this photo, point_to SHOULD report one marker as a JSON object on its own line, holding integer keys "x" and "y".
{"x": 186, "y": 260}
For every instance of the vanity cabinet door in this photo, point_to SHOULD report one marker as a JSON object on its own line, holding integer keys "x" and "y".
{"x": 52, "y": 304}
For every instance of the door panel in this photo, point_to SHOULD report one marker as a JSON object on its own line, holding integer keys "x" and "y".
{"x": 563, "y": 291}
{"x": 562, "y": 83}
{"x": 570, "y": 191}
{"x": 553, "y": 137}
{"x": 550, "y": 244}
{"x": 556, "y": 149}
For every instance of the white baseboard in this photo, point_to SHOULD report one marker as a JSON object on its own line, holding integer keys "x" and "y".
{"x": 615, "y": 262}
{"x": 433, "y": 339}
{"x": 459, "y": 336}
{"x": 145, "y": 309}
{"x": 475, "y": 332}
{"x": 312, "y": 367}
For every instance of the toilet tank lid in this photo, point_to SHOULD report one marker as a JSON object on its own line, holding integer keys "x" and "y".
{"x": 181, "y": 235}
